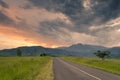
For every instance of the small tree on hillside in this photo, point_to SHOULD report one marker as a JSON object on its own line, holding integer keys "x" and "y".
{"x": 19, "y": 52}
{"x": 102, "y": 54}
{"x": 43, "y": 54}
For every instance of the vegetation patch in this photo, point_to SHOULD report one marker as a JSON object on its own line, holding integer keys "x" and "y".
{"x": 26, "y": 68}
{"x": 109, "y": 65}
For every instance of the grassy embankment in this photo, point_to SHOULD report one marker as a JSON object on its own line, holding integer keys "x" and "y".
{"x": 26, "y": 68}
{"x": 109, "y": 65}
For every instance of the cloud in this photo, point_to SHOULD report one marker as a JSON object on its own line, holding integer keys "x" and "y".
{"x": 62, "y": 22}
{"x": 3, "y": 4}
{"x": 5, "y": 20}
{"x": 55, "y": 30}
{"x": 101, "y": 10}
{"x": 27, "y": 6}
{"x": 108, "y": 9}
{"x": 97, "y": 15}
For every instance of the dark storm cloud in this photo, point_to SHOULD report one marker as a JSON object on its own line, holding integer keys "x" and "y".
{"x": 5, "y": 20}
{"x": 101, "y": 11}
{"x": 98, "y": 14}
{"x": 108, "y": 9}
{"x": 64, "y": 22}
{"x": 55, "y": 30}
{"x": 69, "y": 7}
{"x": 3, "y": 4}
{"x": 72, "y": 8}
{"x": 27, "y": 7}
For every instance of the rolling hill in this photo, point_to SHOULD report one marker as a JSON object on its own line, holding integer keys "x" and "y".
{"x": 73, "y": 50}
{"x": 33, "y": 51}
{"x": 81, "y": 48}
{"x": 115, "y": 52}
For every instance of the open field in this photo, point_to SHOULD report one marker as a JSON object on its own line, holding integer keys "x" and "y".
{"x": 26, "y": 68}
{"x": 109, "y": 65}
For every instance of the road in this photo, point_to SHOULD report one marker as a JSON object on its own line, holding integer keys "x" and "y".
{"x": 65, "y": 70}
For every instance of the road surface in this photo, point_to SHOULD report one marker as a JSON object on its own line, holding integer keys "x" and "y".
{"x": 65, "y": 70}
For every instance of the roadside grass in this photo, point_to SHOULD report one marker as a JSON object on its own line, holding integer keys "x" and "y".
{"x": 26, "y": 68}
{"x": 110, "y": 65}
{"x": 46, "y": 72}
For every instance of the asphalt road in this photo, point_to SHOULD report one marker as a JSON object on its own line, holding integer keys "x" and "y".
{"x": 65, "y": 70}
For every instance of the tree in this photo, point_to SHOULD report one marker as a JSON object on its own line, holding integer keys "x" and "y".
{"x": 43, "y": 54}
{"x": 19, "y": 52}
{"x": 102, "y": 54}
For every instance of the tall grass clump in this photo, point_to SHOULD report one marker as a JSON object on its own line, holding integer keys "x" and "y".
{"x": 25, "y": 68}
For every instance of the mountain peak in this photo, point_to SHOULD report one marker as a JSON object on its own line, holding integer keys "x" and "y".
{"x": 79, "y": 44}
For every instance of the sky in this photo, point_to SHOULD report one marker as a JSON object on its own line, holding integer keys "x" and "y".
{"x": 56, "y": 23}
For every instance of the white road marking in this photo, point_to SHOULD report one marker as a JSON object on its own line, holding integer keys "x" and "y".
{"x": 81, "y": 70}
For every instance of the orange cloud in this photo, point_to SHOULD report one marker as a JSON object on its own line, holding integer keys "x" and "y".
{"x": 12, "y": 37}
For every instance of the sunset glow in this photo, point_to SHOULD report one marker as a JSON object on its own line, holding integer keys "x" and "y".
{"x": 58, "y": 23}
{"x": 118, "y": 30}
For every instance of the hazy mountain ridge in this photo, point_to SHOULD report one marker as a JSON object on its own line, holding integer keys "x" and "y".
{"x": 73, "y": 50}
{"x": 115, "y": 52}
{"x": 34, "y": 51}
{"x": 83, "y": 48}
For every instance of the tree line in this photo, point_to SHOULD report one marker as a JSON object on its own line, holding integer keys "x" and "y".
{"x": 100, "y": 54}
{"x": 19, "y": 53}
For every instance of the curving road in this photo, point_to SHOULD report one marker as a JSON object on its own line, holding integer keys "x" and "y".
{"x": 65, "y": 70}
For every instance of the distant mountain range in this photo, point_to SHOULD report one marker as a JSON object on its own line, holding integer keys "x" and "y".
{"x": 73, "y": 50}
{"x": 83, "y": 49}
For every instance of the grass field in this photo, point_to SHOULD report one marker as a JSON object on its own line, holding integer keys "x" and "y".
{"x": 109, "y": 65}
{"x": 26, "y": 68}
